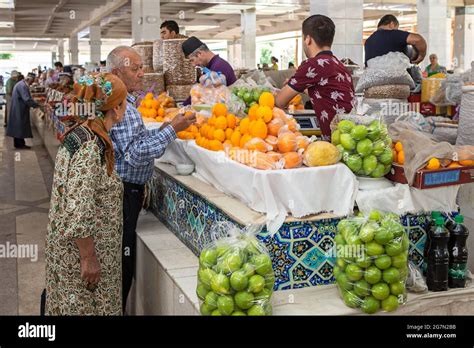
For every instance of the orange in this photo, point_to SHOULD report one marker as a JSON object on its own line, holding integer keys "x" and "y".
{"x": 454, "y": 165}
{"x": 292, "y": 160}
{"x": 302, "y": 142}
{"x": 148, "y": 103}
{"x": 265, "y": 113}
{"x": 244, "y": 139}
{"x": 219, "y": 109}
{"x": 152, "y": 113}
{"x": 274, "y": 126}
{"x": 215, "y": 145}
{"x": 267, "y": 99}
{"x": 235, "y": 138}
{"x": 141, "y": 110}
{"x": 259, "y": 129}
{"x": 244, "y": 125}
{"x": 279, "y": 113}
{"x": 287, "y": 143}
{"x": 149, "y": 96}
{"x": 221, "y": 122}
{"x": 262, "y": 161}
{"x": 253, "y": 112}
{"x": 219, "y": 135}
{"x": 401, "y": 157}
{"x": 155, "y": 104}
{"x": 159, "y": 119}
{"x": 257, "y": 144}
{"x": 143, "y": 103}
{"x": 228, "y": 133}
{"x": 210, "y": 133}
{"x": 272, "y": 141}
{"x": 433, "y": 164}
{"x": 292, "y": 125}
{"x": 275, "y": 155}
{"x": 193, "y": 129}
{"x": 231, "y": 121}
{"x": 395, "y": 155}
{"x": 212, "y": 121}
{"x": 467, "y": 163}
{"x": 398, "y": 146}
{"x": 161, "y": 112}
{"x": 203, "y": 130}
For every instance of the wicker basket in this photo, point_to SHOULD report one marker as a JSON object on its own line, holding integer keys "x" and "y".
{"x": 158, "y": 55}
{"x": 177, "y": 69}
{"x": 145, "y": 50}
{"x": 179, "y": 92}
{"x": 154, "y": 82}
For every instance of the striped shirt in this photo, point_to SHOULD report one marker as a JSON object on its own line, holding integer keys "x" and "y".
{"x": 137, "y": 147}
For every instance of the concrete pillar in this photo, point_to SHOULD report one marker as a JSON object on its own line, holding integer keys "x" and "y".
{"x": 248, "y": 29}
{"x": 348, "y": 16}
{"x": 74, "y": 50}
{"x": 464, "y": 37}
{"x": 432, "y": 25}
{"x": 94, "y": 43}
{"x": 234, "y": 52}
{"x": 61, "y": 50}
{"x": 145, "y": 20}
{"x": 53, "y": 58}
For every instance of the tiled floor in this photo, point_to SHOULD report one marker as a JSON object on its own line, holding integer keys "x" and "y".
{"x": 25, "y": 185}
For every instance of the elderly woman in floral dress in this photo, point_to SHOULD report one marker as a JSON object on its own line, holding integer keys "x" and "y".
{"x": 84, "y": 238}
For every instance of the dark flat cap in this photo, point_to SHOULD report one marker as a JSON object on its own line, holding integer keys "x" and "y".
{"x": 191, "y": 45}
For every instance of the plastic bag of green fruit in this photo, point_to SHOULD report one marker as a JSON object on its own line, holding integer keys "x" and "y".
{"x": 235, "y": 275}
{"x": 364, "y": 144}
{"x": 372, "y": 262}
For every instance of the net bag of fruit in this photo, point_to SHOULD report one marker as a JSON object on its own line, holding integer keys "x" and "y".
{"x": 372, "y": 262}
{"x": 364, "y": 143}
{"x": 235, "y": 275}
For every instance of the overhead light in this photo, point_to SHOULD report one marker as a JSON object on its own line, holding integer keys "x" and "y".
{"x": 8, "y": 24}
{"x": 7, "y": 4}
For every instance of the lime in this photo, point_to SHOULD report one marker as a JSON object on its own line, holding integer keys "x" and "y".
{"x": 256, "y": 310}
{"x": 265, "y": 294}
{"x": 386, "y": 157}
{"x": 205, "y": 309}
{"x": 269, "y": 281}
{"x": 256, "y": 283}
{"x": 375, "y": 215}
{"x": 374, "y": 249}
{"x": 363, "y": 262}
{"x": 373, "y": 130}
{"x": 359, "y": 132}
{"x": 205, "y": 276}
{"x": 238, "y": 314}
{"x": 339, "y": 239}
{"x": 367, "y": 232}
{"x": 336, "y": 137}
{"x": 216, "y": 313}
{"x": 336, "y": 271}
{"x": 394, "y": 226}
{"x": 341, "y": 264}
{"x": 256, "y": 95}
{"x": 403, "y": 272}
{"x": 373, "y": 275}
{"x": 378, "y": 147}
{"x": 238, "y": 280}
{"x": 353, "y": 272}
{"x": 248, "y": 98}
{"x": 263, "y": 264}
{"x": 379, "y": 171}
{"x": 370, "y": 305}
{"x": 362, "y": 288}
{"x": 353, "y": 239}
{"x": 343, "y": 282}
{"x": 220, "y": 284}
{"x": 253, "y": 246}
{"x": 211, "y": 300}
{"x": 387, "y": 169}
{"x": 244, "y": 299}
{"x": 354, "y": 162}
{"x": 248, "y": 269}
{"x": 394, "y": 248}
{"x": 231, "y": 263}
{"x": 225, "y": 305}
{"x": 345, "y": 126}
{"x": 369, "y": 164}
{"x": 405, "y": 242}
{"x": 390, "y": 304}
{"x": 208, "y": 257}
{"x": 351, "y": 299}
{"x": 380, "y": 291}
{"x": 364, "y": 147}
{"x": 201, "y": 291}
{"x": 400, "y": 260}
{"x": 383, "y": 262}
{"x": 341, "y": 149}
{"x": 391, "y": 275}
{"x": 383, "y": 236}
{"x": 397, "y": 288}
{"x": 222, "y": 249}
{"x": 347, "y": 142}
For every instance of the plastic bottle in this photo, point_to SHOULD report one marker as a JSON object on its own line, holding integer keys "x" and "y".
{"x": 457, "y": 253}
{"x": 434, "y": 215}
{"x": 438, "y": 257}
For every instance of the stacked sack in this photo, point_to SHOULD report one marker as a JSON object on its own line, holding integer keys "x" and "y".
{"x": 153, "y": 80}
{"x": 386, "y": 85}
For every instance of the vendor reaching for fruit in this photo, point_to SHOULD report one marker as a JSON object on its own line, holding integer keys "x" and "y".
{"x": 322, "y": 75}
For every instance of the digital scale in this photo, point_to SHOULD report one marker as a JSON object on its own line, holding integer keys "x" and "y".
{"x": 307, "y": 121}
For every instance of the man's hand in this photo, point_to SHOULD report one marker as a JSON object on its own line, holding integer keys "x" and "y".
{"x": 181, "y": 122}
{"x": 90, "y": 269}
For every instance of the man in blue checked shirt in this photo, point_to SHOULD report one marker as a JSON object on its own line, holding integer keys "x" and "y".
{"x": 135, "y": 151}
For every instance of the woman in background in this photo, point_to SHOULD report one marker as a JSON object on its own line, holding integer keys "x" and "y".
{"x": 274, "y": 63}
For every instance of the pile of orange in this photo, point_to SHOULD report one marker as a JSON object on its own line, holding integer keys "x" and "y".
{"x": 151, "y": 107}
{"x": 398, "y": 154}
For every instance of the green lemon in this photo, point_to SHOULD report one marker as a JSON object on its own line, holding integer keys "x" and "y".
{"x": 201, "y": 291}
{"x": 383, "y": 236}
{"x": 405, "y": 243}
{"x": 397, "y": 288}
{"x": 347, "y": 142}
{"x": 400, "y": 260}
{"x": 205, "y": 276}
{"x": 365, "y": 147}
{"x": 380, "y": 291}
{"x": 225, "y": 305}
{"x": 263, "y": 264}
{"x": 339, "y": 240}
{"x": 379, "y": 171}
{"x": 248, "y": 269}
{"x": 374, "y": 249}
{"x": 256, "y": 283}
{"x": 343, "y": 282}
{"x": 374, "y": 130}
{"x": 362, "y": 288}
{"x": 353, "y": 272}
{"x": 359, "y": 132}
{"x": 375, "y": 215}
{"x": 383, "y": 262}
{"x": 205, "y": 309}
{"x": 211, "y": 300}
{"x": 367, "y": 232}
{"x": 369, "y": 164}
{"x": 354, "y": 162}
{"x": 394, "y": 248}
{"x": 363, "y": 262}
{"x": 390, "y": 304}
{"x": 208, "y": 257}
{"x": 336, "y": 271}
{"x": 351, "y": 299}
{"x": 269, "y": 281}
{"x": 391, "y": 275}
{"x": 216, "y": 313}
{"x": 345, "y": 126}
{"x": 265, "y": 294}
{"x": 373, "y": 275}
{"x": 232, "y": 263}
{"x": 370, "y": 305}
{"x": 244, "y": 300}
{"x": 336, "y": 137}
{"x": 238, "y": 314}
{"x": 256, "y": 310}
{"x": 378, "y": 147}
{"x": 238, "y": 280}
{"x": 403, "y": 272}
{"x": 222, "y": 249}
{"x": 220, "y": 284}
{"x": 386, "y": 157}
{"x": 341, "y": 264}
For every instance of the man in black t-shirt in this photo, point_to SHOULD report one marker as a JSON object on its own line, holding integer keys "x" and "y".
{"x": 388, "y": 38}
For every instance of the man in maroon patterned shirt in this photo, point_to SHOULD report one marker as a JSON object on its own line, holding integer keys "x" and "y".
{"x": 322, "y": 76}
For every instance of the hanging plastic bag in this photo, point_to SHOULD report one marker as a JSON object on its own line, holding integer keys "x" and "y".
{"x": 372, "y": 262}
{"x": 415, "y": 281}
{"x": 235, "y": 275}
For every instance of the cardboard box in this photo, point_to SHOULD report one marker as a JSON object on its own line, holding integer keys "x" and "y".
{"x": 425, "y": 179}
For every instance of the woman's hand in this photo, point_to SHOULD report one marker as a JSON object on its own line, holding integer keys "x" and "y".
{"x": 90, "y": 269}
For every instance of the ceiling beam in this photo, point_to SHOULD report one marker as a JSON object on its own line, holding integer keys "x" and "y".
{"x": 56, "y": 8}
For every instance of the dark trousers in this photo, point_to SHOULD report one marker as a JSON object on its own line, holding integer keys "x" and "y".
{"x": 18, "y": 142}
{"x": 132, "y": 204}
